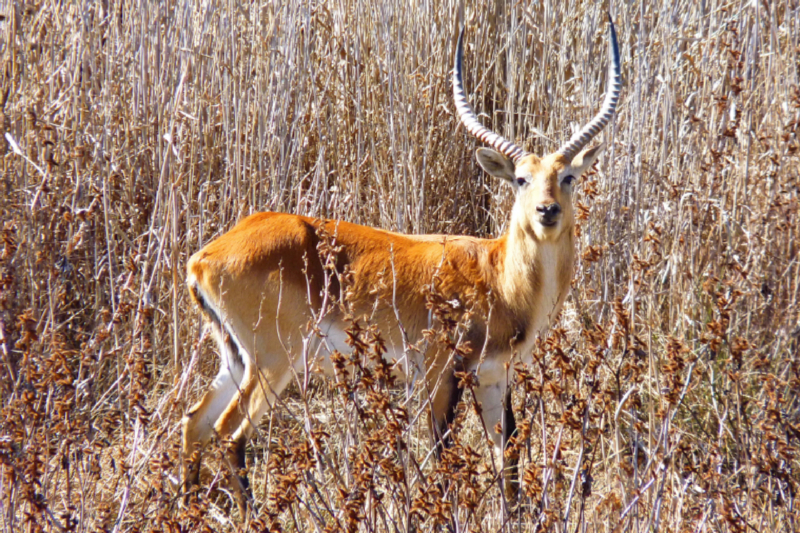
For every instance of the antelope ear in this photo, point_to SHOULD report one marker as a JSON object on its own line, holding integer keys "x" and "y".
{"x": 495, "y": 164}
{"x": 584, "y": 160}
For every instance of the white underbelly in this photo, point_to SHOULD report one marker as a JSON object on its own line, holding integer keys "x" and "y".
{"x": 406, "y": 364}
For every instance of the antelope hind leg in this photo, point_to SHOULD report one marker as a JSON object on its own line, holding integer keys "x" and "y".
{"x": 238, "y": 423}
{"x": 198, "y": 423}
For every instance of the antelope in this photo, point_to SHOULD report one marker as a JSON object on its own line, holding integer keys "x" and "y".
{"x": 260, "y": 284}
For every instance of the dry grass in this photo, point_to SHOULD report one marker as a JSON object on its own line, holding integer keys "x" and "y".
{"x": 135, "y": 133}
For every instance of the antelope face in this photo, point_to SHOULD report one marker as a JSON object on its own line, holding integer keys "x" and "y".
{"x": 543, "y": 187}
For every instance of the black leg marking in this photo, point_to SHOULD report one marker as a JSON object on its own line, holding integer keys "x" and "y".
{"x": 225, "y": 333}
{"x": 455, "y": 397}
{"x": 444, "y": 440}
{"x": 511, "y": 472}
{"x": 239, "y": 481}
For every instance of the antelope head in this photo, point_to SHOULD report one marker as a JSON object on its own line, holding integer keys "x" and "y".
{"x": 543, "y": 186}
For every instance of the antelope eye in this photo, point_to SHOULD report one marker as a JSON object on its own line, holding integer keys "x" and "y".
{"x": 521, "y": 181}
{"x": 567, "y": 180}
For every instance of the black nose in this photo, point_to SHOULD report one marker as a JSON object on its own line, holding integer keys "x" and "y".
{"x": 548, "y": 212}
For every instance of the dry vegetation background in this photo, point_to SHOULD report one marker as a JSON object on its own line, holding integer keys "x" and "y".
{"x": 135, "y": 132}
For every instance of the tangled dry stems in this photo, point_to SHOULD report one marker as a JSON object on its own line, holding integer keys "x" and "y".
{"x": 666, "y": 398}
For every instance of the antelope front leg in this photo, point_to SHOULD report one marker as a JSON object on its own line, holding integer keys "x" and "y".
{"x": 510, "y": 461}
{"x": 495, "y": 400}
{"x": 442, "y": 415}
{"x": 445, "y": 395}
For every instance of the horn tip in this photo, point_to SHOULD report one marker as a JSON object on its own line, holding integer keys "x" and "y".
{"x": 460, "y": 42}
{"x": 611, "y": 23}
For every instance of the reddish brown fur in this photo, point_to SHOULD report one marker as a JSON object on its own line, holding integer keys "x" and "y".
{"x": 263, "y": 282}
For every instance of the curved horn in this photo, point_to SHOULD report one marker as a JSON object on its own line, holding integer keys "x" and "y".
{"x": 603, "y": 117}
{"x": 468, "y": 117}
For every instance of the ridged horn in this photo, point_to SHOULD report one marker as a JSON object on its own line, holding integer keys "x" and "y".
{"x": 467, "y": 116}
{"x": 603, "y": 117}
